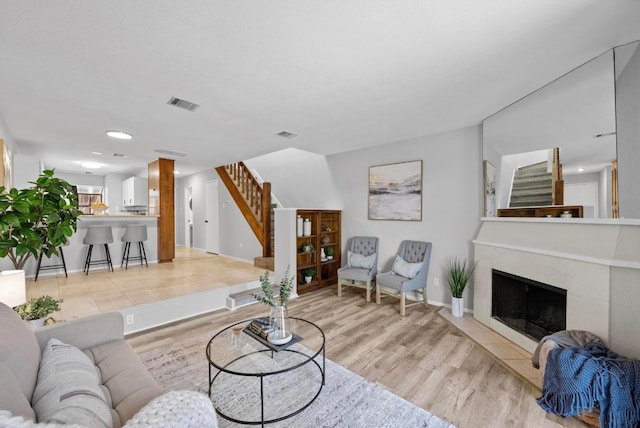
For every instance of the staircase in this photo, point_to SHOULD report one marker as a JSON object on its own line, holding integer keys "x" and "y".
{"x": 532, "y": 186}
{"x": 254, "y": 201}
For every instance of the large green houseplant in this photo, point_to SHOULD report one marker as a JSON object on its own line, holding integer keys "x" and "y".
{"x": 37, "y": 219}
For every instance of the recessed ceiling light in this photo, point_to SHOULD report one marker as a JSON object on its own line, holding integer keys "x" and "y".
{"x": 120, "y": 135}
{"x": 96, "y": 153}
{"x": 90, "y": 165}
{"x": 176, "y": 171}
{"x": 580, "y": 169}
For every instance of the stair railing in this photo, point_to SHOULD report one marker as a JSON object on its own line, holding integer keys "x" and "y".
{"x": 252, "y": 198}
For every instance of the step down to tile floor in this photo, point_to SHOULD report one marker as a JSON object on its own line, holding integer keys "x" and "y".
{"x": 267, "y": 263}
{"x": 244, "y": 298}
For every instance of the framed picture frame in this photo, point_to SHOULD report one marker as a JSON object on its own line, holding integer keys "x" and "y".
{"x": 395, "y": 191}
{"x": 489, "y": 189}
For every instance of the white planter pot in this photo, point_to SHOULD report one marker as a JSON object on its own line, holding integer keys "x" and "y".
{"x": 307, "y": 279}
{"x": 457, "y": 306}
{"x": 36, "y": 323}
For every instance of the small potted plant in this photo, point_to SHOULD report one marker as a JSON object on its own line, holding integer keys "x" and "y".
{"x": 458, "y": 275}
{"x": 308, "y": 274}
{"x": 284, "y": 292}
{"x": 279, "y": 318}
{"x": 38, "y": 308}
{"x": 330, "y": 253}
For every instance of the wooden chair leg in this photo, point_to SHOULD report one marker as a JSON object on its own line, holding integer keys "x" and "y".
{"x": 403, "y": 309}
{"x": 377, "y": 294}
{"x": 368, "y": 291}
{"x": 424, "y": 294}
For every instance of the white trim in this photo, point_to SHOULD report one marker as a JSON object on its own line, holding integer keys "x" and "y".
{"x": 561, "y": 254}
{"x": 573, "y": 220}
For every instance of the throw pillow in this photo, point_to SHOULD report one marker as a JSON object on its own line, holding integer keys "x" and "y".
{"x": 68, "y": 388}
{"x": 408, "y": 270}
{"x": 356, "y": 260}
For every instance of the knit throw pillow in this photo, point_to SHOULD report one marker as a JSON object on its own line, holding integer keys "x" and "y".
{"x": 68, "y": 388}
{"x": 356, "y": 260}
{"x": 403, "y": 268}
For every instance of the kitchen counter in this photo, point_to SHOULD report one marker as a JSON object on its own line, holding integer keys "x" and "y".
{"x": 76, "y": 251}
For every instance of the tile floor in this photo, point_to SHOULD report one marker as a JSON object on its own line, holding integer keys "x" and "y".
{"x": 506, "y": 352}
{"x": 101, "y": 290}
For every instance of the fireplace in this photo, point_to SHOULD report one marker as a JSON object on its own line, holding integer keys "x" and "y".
{"x": 533, "y": 308}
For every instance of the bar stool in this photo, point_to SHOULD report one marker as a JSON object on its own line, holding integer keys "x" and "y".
{"x": 58, "y": 266}
{"x": 98, "y": 235}
{"x": 134, "y": 233}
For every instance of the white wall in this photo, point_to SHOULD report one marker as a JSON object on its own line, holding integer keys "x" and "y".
{"x": 26, "y": 169}
{"x": 628, "y": 134}
{"x": 81, "y": 179}
{"x": 451, "y": 202}
{"x": 299, "y": 179}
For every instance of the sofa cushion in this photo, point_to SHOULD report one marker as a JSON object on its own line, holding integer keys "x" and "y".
{"x": 68, "y": 388}
{"x": 20, "y": 354}
{"x": 130, "y": 385}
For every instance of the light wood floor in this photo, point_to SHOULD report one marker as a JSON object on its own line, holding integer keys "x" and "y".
{"x": 421, "y": 357}
{"x": 102, "y": 290}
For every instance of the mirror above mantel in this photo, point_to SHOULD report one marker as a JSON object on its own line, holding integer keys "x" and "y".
{"x": 591, "y": 115}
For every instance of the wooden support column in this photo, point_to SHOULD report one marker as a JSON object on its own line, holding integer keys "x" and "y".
{"x": 161, "y": 203}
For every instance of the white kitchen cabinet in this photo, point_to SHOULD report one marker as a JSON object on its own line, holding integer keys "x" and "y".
{"x": 134, "y": 192}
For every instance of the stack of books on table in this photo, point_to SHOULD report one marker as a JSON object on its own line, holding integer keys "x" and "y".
{"x": 261, "y": 327}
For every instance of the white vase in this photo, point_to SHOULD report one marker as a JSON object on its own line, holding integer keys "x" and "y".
{"x": 299, "y": 226}
{"x": 457, "y": 306}
{"x": 307, "y": 227}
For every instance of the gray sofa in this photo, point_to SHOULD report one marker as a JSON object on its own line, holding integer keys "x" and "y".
{"x": 126, "y": 385}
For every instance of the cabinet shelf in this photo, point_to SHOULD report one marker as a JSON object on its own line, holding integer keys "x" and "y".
{"x": 324, "y": 224}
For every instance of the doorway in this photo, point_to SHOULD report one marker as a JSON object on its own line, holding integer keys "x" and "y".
{"x": 188, "y": 216}
{"x": 212, "y": 220}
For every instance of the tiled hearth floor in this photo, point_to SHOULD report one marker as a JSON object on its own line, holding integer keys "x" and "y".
{"x": 191, "y": 271}
{"x": 510, "y": 355}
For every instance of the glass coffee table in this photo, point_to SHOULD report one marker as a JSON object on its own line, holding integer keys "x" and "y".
{"x": 254, "y": 383}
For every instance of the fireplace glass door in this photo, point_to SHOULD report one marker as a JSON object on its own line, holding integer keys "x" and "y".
{"x": 530, "y": 307}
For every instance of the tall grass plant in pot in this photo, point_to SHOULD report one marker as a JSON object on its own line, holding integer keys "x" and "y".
{"x": 458, "y": 274}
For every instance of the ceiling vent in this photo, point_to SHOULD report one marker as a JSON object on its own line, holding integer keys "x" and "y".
{"x": 169, "y": 153}
{"x": 187, "y": 105}
{"x": 119, "y": 155}
{"x": 286, "y": 134}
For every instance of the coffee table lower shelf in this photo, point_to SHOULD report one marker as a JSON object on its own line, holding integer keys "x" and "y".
{"x": 287, "y": 360}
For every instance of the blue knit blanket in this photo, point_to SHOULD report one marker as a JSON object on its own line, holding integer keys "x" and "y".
{"x": 578, "y": 379}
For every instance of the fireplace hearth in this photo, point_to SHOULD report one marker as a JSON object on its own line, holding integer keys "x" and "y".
{"x": 533, "y": 308}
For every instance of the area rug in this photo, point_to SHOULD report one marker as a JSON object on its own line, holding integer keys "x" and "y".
{"x": 346, "y": 400}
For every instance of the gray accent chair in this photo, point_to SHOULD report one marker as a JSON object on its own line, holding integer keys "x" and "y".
{"x": 357, "y": 276}
{"x": 392, "y": 284}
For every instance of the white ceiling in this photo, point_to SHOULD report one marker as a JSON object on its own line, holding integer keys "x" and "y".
{"x": 342, "y": 74}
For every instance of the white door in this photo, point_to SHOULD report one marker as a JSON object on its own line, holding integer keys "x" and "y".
{"x": 188, "y": 217}
{"x": 211, "y": 220}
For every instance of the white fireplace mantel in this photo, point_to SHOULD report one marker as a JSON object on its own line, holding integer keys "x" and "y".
{"x": 596, "y": 261}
